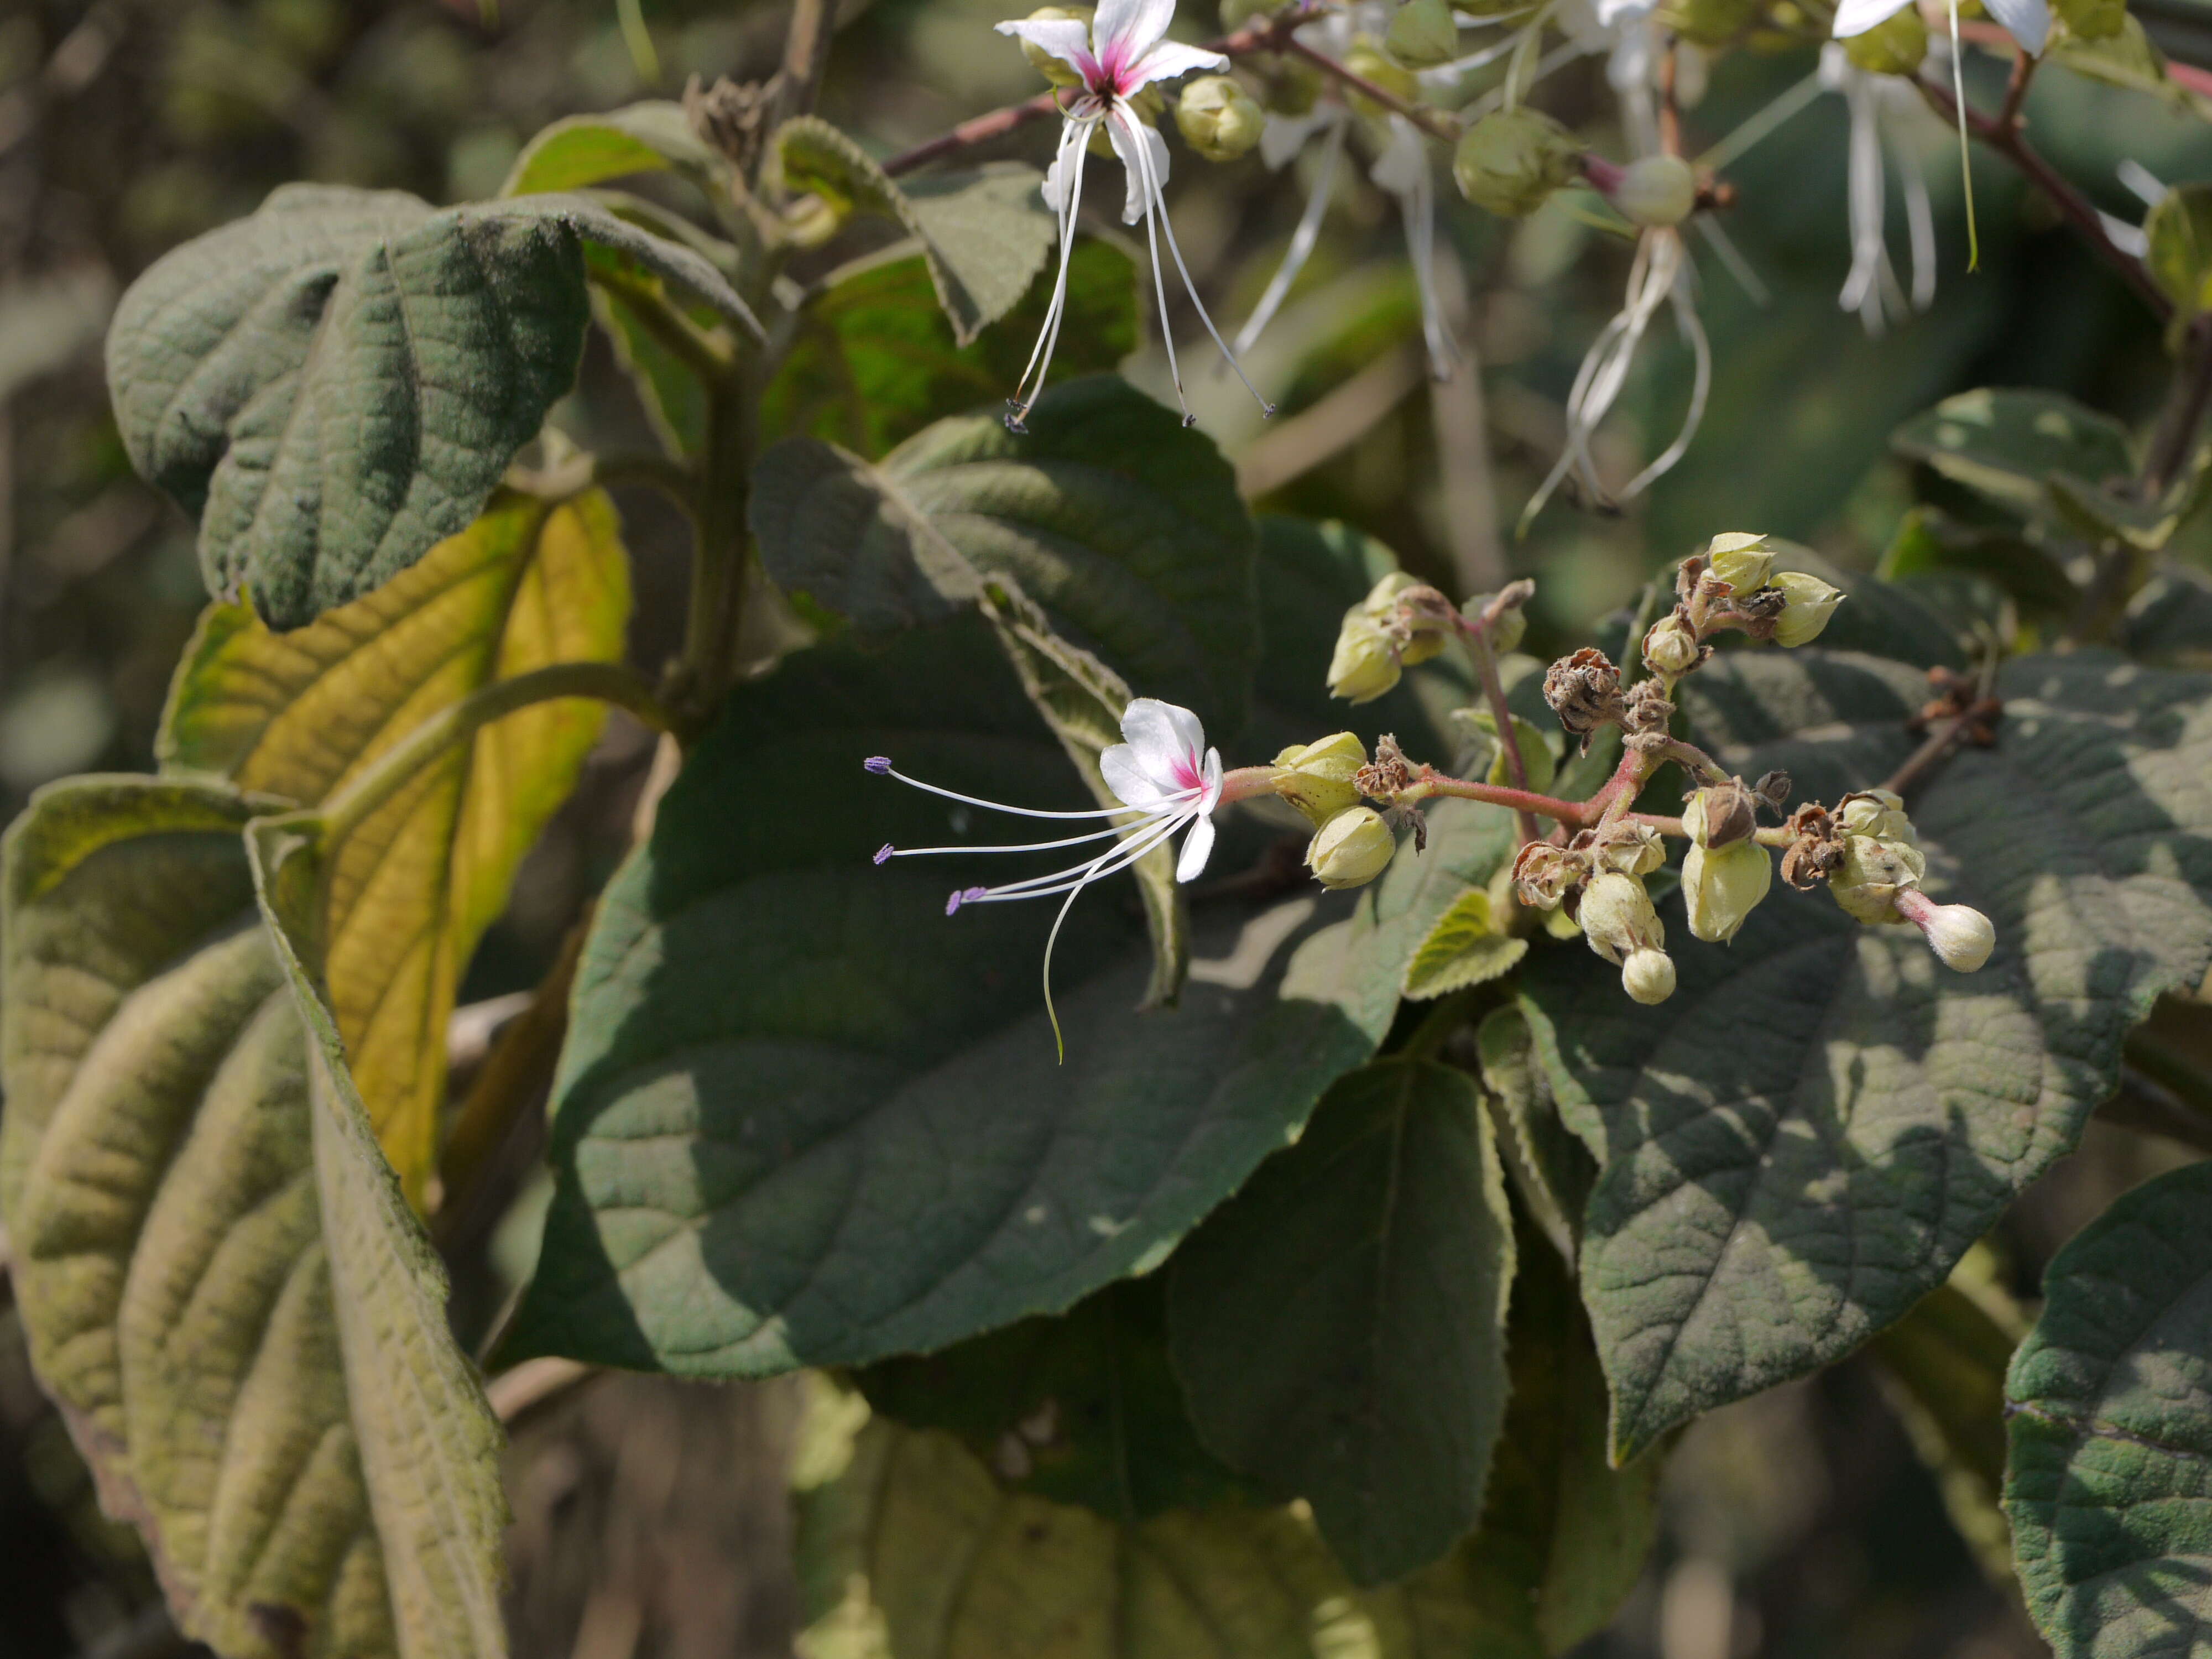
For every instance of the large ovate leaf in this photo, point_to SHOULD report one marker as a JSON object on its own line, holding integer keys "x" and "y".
{"x": 805, "y": 1117}
{"x": 220, "y": 1280}
{"x": 1550, "y": 1169}
{"x": 1125, "y": 525}
{"x": 1080, "y": 1408}
{"x": 1401, "y": 914}
{"x": 1806, "y": 1139}
{"x": 874, "y": 359}
{"x": 337, "y": 383}
{"x": 1339, "y": 1323}
{"x": 984, "y": 234}
{"x": 2111, "y": 1424}
{"x": 531, "y": 584}
{"x": 583, "y": 150}
{"x": 2004, "y": 443}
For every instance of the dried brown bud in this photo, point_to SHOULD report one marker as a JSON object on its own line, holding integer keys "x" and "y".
{"x": 1773, "y": 790}
{"x": 1647, "y": 710}
{"x": 1386, "y": 773}
{"x": 1584, "y": 691}
{"x": 1545, "y": 874}
{"x": 1721, "y": 816}
{"x": 1817, "y": 850}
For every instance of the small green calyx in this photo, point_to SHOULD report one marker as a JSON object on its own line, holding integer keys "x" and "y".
{"x": 1352, "y": 849}
{"x": 1894, "y": 46}
{"x": 1742, "y": 561}
{"x": 1423, "y": 34}
{"x": 1317, "y": 778}
{"x": 1874, "y": 872}
{"x": 1807, "y": 603}
{"x": 1672, "y": 647}
{"x": 1365, "y": 664}
{"x": 1511, "y": 160}
{"x": 1401, "y": 622}
{"x": 1218, "y": 118}
{"x": 1878, "y": 813}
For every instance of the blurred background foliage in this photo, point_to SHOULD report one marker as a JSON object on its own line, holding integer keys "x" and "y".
{"x": 1801, "y": 1523}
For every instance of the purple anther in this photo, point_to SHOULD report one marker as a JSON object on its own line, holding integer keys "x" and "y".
{"x": 883, "y": 853}
{"x": 878, "y": 765}
{"x": 965, "y": 896}
{"x": 952, "y": 902}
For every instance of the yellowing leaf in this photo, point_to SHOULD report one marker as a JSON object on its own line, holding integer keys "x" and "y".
{"x": 220, "y": 1281}
{"x": 528, "y": 585}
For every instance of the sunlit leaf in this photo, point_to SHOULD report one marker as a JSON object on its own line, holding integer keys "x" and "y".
{"x": 583, "y": 150}
{"x": 2004, "y": 443}
{"x": 530, "y": 584}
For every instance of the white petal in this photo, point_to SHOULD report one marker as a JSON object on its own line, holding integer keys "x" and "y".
{"x": 1064, "y": 38}
{"x": 1404, "y": 162}
{"x": 1131, "y": 784}
{"x": 1612, "y": 12}
{"x": 1284, "y": 136}
{"x": 1127, "y": 132}
{"x": 1197, "y": 847}
{"x": 1125, "y": 30}
{"x": 2028, "y": 21}
{"x": 1168, "y": 742}
{"x": 1212, "y": 772}
{"x": 1056, "y": 176}
{"x": 1167, "y": 60}
{"x": 1858, "y": 16}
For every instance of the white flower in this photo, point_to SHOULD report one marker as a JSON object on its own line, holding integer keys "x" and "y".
{"x": 1879, "y": 105}
{"x": 2028, "y": 21}
{"x": 1164, "y": 773}
{"x": 1123, "y": 51}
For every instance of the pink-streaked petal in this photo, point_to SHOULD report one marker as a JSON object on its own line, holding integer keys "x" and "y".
{"x": 1212, "y": 776}
{"x": 1131, "y": 784}
{"x": 1125, "y": 30}
{"x": 1858, "y": 16}
{"x": 1197, "y": 847}
{"x": 1168, "y": 742}
{"x": 1126, "y": 132}
{"x": 1064, "y": 38}
{"x": 1164, "y": 61}
{"x": 2028, "y": 21}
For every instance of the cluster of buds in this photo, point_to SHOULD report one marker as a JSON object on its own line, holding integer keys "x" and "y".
{"x": 1869, "y": 855}
{"x": 1599, "y": 875}
{"x": 1401, "y": 622}
{"x": 1353, "y": 843}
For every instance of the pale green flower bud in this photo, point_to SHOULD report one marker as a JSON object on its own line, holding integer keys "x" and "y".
{"x": 1317, "y": 777}
{"x": 1423, "y": 635}
{"x": 1511, "y": 160}
{"x": 1873, "y": 873}
{"x": 1381, "y": 600}
{"x": 1372, "y": 64}
{"x": 1218, "y": 118}
{"x": 1648, "y": 976}
{"x": 1740, "y": 561}
{"x": 1052, "y": 70}
{"x": 1631, "y": 849}
{"x": 1723, "y": 886}
{"x": 1808, "y": 602}
{"x": 1365, "y": 664}
{"x": 1423, "y": 34}
{"x": 1894, "y": 46}
{"x": 1352, "y": 849}
{"x": 1617, "y": 916}
{"x": 1961, "y": 936}
{"x": 1721, "y": 816}
{"x": 1657, "y": 190}
{"x": 2092, "y": 20}
{"x": 1878, "y": 813}
{"x": 1671, "y": 646}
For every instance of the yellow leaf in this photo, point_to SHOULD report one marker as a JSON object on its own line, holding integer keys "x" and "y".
{"x": 530, "y": 584}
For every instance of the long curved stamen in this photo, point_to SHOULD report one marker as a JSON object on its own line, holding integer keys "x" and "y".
{"x": 1147, "y": 838}
{"x": 1418, "y": 207}
{"x": 1095, "y": 873}
{"x": 1014, "y": 847}
{"x": 886, "y": 770}
{"x": 1303, "y": 242}
{"x": 1077, "y": 133}
{"x": 1966, "y": 147}
{"x": 1158, "y": 204}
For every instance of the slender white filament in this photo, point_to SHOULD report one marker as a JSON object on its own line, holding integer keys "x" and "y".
{"x": 1303, "y": 241}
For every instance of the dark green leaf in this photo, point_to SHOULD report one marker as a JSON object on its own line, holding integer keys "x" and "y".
{"x": 2110, "y": 1402}
{"x": 804, "y": 1117}
{"x": 1083, "y": 1408}
{"x": 874, "y": 360}
{"x": 1879, "y": 617}
{"x": 2179, "y": 232}
{"x": 1928, "y": 543}
{"x": 337, "y": 382}
{"x": 1807, "y": 1138}
{"x": 2004, "y": 443}
{"x": 2170, "y": 620}
{"x": 1340, "y": 1324}
{"x": 1122, "y": 524}
{"x": 1550, "y": 1170}
{"x": 984, "y": 234}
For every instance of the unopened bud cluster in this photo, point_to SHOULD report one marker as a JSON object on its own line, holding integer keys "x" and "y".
{"x": 1353, "y": 843}
{"x": 1402, "y": 622}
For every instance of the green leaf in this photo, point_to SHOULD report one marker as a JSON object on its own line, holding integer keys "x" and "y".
{"x": 337, "y": 382}
{"x": 1943, "y": 1369}
{"x": 984, "y": 234}
{"x": 2179, "y": 259}
{"x": 2169, "y": 619}
{"x": 2004, "y": 444}
{"x": 531, "y": 584}
{"x": 1930, "y": 543}
{"x": 1083, "y": 1408}
{"x": 2110, "y": 1420}
{"x": 2115, "y": 510}
{"x": 220, "y": 1280}
{"x": 1806, "y": 1139}
{"x": 1464, "y": 948}
{"x": 1123, "y": 524}
{"x": 874, "y": 361}
{"x": 669, "y": 386}
{"x": 805, "y": 1118}
{"x": 1401, "y": 912}
{"x": 584, "y": 151}
{"x": 1551, "y": 1170}
{"x": 1340, "y": 1325}
{"x": 2129, "y": 60}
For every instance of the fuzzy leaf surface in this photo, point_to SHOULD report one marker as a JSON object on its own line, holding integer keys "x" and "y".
{"x": 1806, "y": 1139}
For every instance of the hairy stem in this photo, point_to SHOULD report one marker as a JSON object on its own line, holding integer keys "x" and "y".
{"x": 718, "y": 555}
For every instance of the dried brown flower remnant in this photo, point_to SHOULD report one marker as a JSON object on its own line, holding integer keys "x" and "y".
{"x": 1584, "y": 691}
{"x": 1815, "y": 851}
